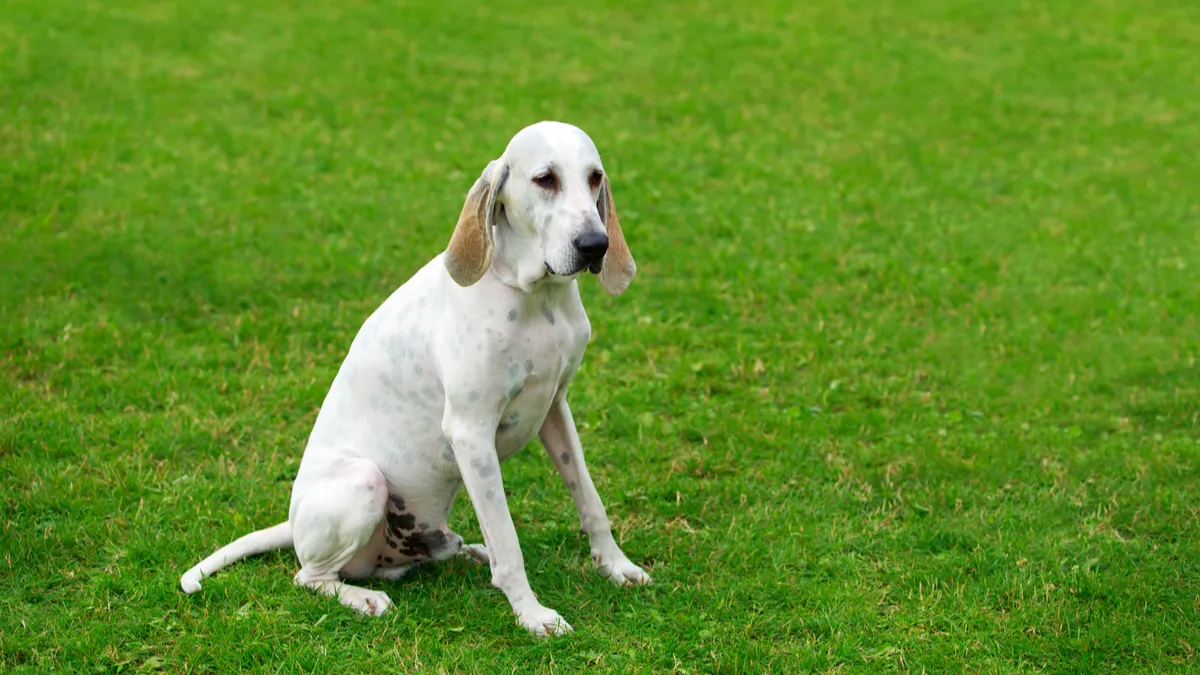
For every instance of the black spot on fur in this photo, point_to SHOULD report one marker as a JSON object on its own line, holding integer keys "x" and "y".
{"x": 415, "y": 543}
{"x": 512, "y": 315}
{"x": 393, "y": 521}
{"x": 566, "y": 458}
{"x": 401, "y": 522}
{"x": 398, "y": 520}
{"x": 435, "y": 540}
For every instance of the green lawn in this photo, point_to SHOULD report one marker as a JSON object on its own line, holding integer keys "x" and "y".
{"x": 907, "y": 381}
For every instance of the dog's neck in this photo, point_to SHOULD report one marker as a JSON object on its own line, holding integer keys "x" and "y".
{"x": 538, "y": 284}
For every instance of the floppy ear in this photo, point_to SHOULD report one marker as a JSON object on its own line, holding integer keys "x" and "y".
{"x": 619, "y": 268}
{"x": 470, "y": 251}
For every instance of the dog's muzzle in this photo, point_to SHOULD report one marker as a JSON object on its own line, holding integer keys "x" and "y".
{"x": 591, "y": 247}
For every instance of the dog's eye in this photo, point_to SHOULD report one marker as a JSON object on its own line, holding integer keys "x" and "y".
{"x": 546, "y": 181}
{"x": 594, "y": 179}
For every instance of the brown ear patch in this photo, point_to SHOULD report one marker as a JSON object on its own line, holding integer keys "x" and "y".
{"x": 470, "y": 251}
{"x": 619, "y": 267}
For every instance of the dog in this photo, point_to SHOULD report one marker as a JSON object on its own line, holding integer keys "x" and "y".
{"x": 453, "y": 374}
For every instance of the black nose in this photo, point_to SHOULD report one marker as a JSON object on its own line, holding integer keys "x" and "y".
{"x": 592, "y": 245}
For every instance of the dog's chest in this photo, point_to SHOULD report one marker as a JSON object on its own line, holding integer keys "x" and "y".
{"x": 524, "y": 414}
{"x": 535, "y": 375}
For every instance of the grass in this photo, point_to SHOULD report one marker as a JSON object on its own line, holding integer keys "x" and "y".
{"x": 907, "y": 382}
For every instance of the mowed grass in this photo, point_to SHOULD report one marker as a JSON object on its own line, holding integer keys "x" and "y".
{"x": 907, "y": 381}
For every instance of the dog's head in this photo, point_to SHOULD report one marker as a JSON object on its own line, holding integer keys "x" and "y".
{"x": 543, "y": 211}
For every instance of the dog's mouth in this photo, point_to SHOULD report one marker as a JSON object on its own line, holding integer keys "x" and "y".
{"x": 594, "y": 268}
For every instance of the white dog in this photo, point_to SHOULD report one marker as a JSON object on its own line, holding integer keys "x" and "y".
{"x": 453, "y": 374}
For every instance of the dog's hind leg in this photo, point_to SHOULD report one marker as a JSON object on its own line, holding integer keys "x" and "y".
{"x": 477, "y": 553}
{"x": 391, "y": 573}
{"x": 336, "y": 506}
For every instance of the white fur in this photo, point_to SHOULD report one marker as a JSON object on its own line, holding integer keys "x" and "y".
{"x": 441, "y": 385}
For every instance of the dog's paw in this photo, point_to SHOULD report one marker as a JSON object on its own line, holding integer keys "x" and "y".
{"x": 476, "y": 552}
{"x": 543, "y": 622}
{"x": 364, "y": 600}
{"x": 620, "y": 570}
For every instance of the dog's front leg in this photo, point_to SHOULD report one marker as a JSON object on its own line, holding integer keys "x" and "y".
{"x": 474, "y": 444}
{"x": 561, "y": 441}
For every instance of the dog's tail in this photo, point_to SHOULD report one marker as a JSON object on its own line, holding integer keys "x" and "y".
{"x": 279, "y": 536}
